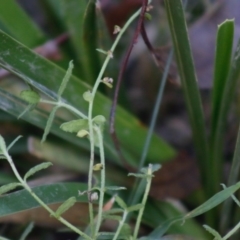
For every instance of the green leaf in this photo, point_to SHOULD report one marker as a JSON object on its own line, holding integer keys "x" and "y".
{"x": 157, "y": 212}
{"x": 82, "y": 13}
{"x": 213, "y": 232}
{"x": 138, "y": 175}
{"x": 30, "y": 96}
{"x": 37, "y": 168}
{"x": 213, "y": 201}
{"x": 75, "y": 126}
{"x": 114, "y": 188}
{"x": 19, "y": 25}
{"x": 65, "y": 79}
{"x": 13, "y": 142}
{"x": 51, "y": 193}
{"x": 28, "y": 230}
{"x": 224, "y": 43}
{"x": 3, "y": 148}
{"x": 49, "y": 123}
{"x": 112, "y": 217}
{"x": 179, "y": 32}
{"x": 155, "y": 167}
{"x": 82, "y": 133}
{"x": 120, "y": 202}
{"x": 135, "y": 207}
{"x": 113, "y": 211}
{"x": 102, "y": 51}
{"x": 87, "y": 96}
{"x": 9, "y": 187}
{"x": 99, "y": 120}
{"x": 65, "y": 206}
{"x": 126, "y": 231}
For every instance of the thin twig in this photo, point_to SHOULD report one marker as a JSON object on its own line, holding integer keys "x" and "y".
{"x": 119, "y": 80}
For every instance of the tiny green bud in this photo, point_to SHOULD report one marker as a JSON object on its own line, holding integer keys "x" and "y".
{"x": 148, "y": 16}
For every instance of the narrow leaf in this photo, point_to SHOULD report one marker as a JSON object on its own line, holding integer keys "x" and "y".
{"x": 75, "y": 125}
{"x": 65, "y": 206}
{"x": 213, "y": 201}
{"x": 112, "y": 217}
{"x": 37, "y": 168}
{"x": 13, "y": 142}
{"x": 213, "y": 232}
{"x": 138, "y": 175}
{"x": 49, "y": 123}
{"x": 120, "y": 202}
{"x": 179, "y": 32}
{"x": 163, "y": 228}
{"x": 2, "y": 145}
{"x": 65, "y": 79}
{"x": 113, "y": 211}
{"x": 82, "y": 13}
{"x": 115, "y": 188}
{"x": 28, "y": 230}
{"x": 102, "y": 51}
{"x": 135, "y": 207}
{"x": 225, "y": 38}
{"x": 9, "y": 187}
{"x": 30, "y": 96}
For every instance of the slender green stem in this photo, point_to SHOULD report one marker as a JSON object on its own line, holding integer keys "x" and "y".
{"x": 65, "y": 105}
{"x": 90, "y": 110}
{"x": 144, "y": 200}
{"x": 25, "y": 185}
{"x": 124, "y": 217}
{"x": 103, "y": 176}
{"x": 230, "y": 233}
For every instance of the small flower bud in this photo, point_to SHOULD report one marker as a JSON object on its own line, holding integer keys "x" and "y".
{"x": 116, "y": 30}
{"x": 98, "y": 167}
{"x": 108, "y": 81}
{"x": 93, "y": 197}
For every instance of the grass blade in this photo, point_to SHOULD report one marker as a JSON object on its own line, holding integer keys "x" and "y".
{"x": 221, "y": 72}
{"x": 16, "y": 22}
{"x": 186, "y": 69}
